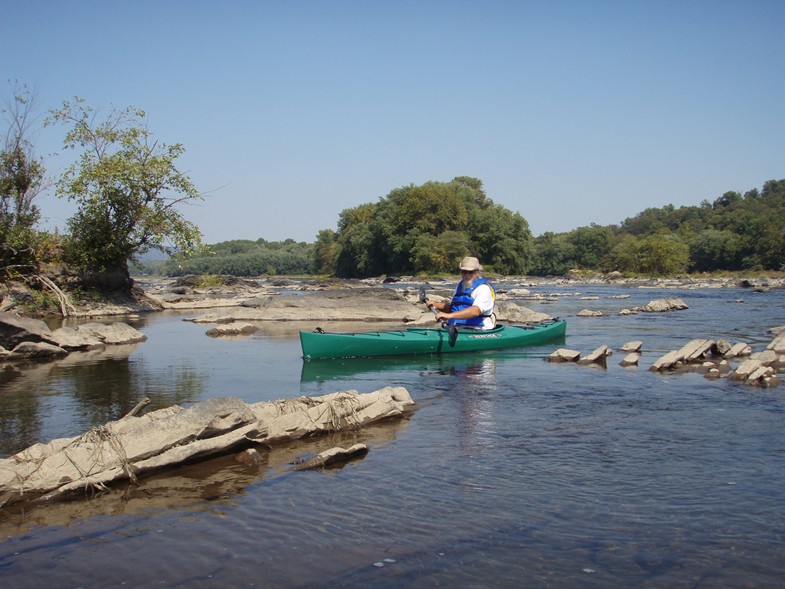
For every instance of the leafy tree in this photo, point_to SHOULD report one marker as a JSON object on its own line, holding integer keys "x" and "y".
{"x": 554, "y": 254}
{"x": 591, "y": 245}
{"x": 324, "y": 252}
{"x": 664, "y": 254}
{"x": 21, "y": 180}
{"x": 502, "y": 238}
{"x": 714, "y": 249}
{"x": 126, "y": 187}
{"x": 625, "y": 256}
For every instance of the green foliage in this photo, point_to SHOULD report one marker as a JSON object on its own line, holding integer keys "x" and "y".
{"x": 126, "y": 187}
{"x": 735, "y": 232}
{"x": 246, "y": 258}
{"x": 21, "y": 180}
{"x": 429, "y": 228}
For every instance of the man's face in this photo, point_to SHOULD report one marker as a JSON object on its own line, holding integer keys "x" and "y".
{"x": 467, "y": 277}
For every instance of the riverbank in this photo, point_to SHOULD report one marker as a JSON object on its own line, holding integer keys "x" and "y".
{"x": 156, "y": 293}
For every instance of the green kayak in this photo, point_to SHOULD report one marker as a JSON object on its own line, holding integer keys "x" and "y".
{"x": 416, "y": 340}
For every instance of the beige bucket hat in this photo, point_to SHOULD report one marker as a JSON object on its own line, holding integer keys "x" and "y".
{"x": 469, "y": 263}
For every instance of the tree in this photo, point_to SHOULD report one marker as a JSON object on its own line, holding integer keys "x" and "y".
{"x": 21, "y": 180}
{"x": 664, "y": 254}
{"x": 126, "y": 187}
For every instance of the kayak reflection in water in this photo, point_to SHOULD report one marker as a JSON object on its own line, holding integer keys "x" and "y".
{"x": 472, "y": 302}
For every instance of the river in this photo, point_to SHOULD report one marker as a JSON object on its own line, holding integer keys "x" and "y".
{"x": 512, "y": 472}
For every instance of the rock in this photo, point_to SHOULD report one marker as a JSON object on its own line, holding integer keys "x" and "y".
{"x": 666, "y": 362}
{"x": 623, "y": 296}
{"x": 71, "y": 339}
{"x": 696, "y": 350}
{"x": 235, "y": 328}
{"x": 630, "y": 359}
{"x": 738, "y": 350}
{"x": 589, "y": 313}
{"x": 693, "y": 351}
{"x": 666, "y": 304}
{"x": 249, "y": 457}
{"x": 751, "y": 371}
{"x": 633, "y": 346}
{"x": 778, "y": 344}
{"x": 116, "y": 333}
{"x": 778, "y": 330}
{"x": 767, "y": 357}
{"x": 513, "y": 313}
{"x": 592, "y": 298}
{"x": 38, "y": 350}
{"x": 564, "y": 355}
{"x": 628, "y": 312}
{"x": 332, "y": 456}
{"x": 129, "y": 447}
{"x": 598, "y": 356}
{"x": 15, "y": 330}
{"x": 721, "y": 347}
{"x": 713, "y": 373}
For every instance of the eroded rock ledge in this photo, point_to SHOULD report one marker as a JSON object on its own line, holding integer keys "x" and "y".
{"x": 132, "y": 446}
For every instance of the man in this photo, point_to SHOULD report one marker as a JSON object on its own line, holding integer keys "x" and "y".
{"x": 473, "y": 300}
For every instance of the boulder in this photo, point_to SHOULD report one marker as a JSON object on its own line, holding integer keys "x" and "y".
{"x": 72, "y": 339}
{"x": 564, "y": 355}
{"x": 115, "y": 333}
{"x": 235, "y": 328}
{"x": 766, "y": 357}
{"x": 778, "y": 344}
{"x": 696, "y": 350}
{"x": 589, "y": 313}
{"x": 738, "y": 350}
{"x": 513, "y": 313}
{"x": 15, "y": 329}
{"x": 630, "y": 359}
{"x": 666, "y": 304}
{"x": 598, "y": 356}
{"x": 692, "y": 352}
{"x": 38, "y": 350}
{"x": 633, "y": 346}
{"x": 721, "y": 347}
{"x": 668, "y": 361}
{"x": 752, "y": 372}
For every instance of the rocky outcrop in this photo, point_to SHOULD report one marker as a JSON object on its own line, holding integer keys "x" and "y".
{"x": 133, "y": 446}
{"x": 24, "y": 337}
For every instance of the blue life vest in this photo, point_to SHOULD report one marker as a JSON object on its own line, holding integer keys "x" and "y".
{"x": 463, "y": 300}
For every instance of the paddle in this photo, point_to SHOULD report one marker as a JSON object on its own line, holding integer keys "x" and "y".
{"x": 452, "y": 331}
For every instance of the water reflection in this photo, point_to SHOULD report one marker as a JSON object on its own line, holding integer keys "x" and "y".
{"x": 209, "y": 485}
{"x": 476, "y": 364}
{"x": 83, "y": 389}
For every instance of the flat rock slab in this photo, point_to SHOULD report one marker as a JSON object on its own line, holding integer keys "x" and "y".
{"x": 127, "y": 448}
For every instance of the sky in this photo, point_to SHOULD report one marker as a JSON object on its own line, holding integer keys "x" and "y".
{"x": 571, "y": 112}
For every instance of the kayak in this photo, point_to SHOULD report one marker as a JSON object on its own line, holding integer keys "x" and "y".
{"x": 421, "y": 340}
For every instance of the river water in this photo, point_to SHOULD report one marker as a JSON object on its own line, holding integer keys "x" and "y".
{"x": 512, "y": 472}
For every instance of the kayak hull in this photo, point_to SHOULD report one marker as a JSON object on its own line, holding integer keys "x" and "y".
{"x": 415, "y": 340}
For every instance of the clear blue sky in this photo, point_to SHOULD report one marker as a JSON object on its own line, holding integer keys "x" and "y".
{"x": 570, "y": 112}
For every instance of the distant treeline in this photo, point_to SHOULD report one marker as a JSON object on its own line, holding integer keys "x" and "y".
{"x": 427, "y": 229}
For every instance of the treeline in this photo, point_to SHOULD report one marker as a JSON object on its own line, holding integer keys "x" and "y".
{"x": 736, "y": 232}
{"x": 426, "y": 229}
{"x": 243, "y": 257}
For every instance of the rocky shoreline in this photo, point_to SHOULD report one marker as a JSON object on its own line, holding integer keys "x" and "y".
{"x": 235, "y": 306}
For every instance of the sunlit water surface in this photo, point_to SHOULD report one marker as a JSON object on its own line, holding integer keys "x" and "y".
{"x": 512, "y": 472}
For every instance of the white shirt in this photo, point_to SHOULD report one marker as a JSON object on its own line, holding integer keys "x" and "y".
{"x": 483, "y": 299}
